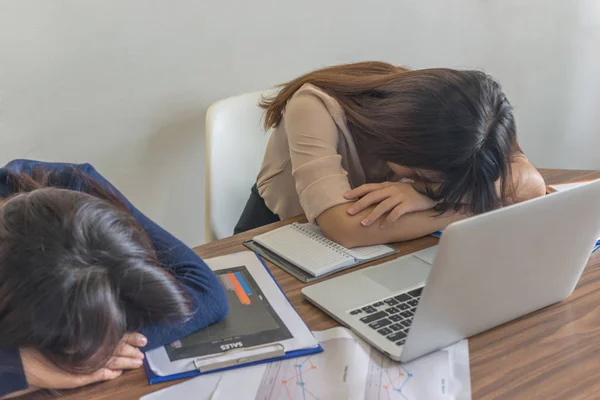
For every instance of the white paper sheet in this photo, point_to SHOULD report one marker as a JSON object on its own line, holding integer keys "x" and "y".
{"x": 561, "y": 187}
{"x": 566, "y": 186}
{"x": 235, "y": 384}
{"x": 348, "y": 369}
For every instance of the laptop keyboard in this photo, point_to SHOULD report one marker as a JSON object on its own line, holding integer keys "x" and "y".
{"x": 391, "y": 317}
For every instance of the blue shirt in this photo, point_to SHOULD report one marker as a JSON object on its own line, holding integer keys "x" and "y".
{"x": 200, "y": 283}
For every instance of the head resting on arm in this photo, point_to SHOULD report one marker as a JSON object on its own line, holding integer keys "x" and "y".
{"x": 453, "y": 129}
{"x": 77, "y": 272}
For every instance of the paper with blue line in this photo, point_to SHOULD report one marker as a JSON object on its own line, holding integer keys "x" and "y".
{"x": 347, "y": 369}
{"x": 351, "y": 369}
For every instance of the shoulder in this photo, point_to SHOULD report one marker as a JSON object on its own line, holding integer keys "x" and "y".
{"x": 527, "y": 180}
{"x": 28, "y": 166}
{"x": 312, "y": 100}
{"x": 307, "y": 116}
{"x": 304, "y": 103}
{"x": 67, "y": 175}
{"x": 12, "y": 375}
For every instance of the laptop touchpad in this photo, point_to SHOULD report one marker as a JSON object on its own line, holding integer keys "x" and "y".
{"x": 400, "y": 273}
{"x": 428, "y": 254}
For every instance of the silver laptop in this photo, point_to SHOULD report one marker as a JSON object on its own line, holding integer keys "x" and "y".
{"x": 485, "y": 271}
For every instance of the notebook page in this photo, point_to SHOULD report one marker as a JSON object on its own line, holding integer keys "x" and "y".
{"x": 358, "y": 253}
{"x": 311, "y": 228}
{"x": 367, "y": 252}
{"x": 306, "y": 253}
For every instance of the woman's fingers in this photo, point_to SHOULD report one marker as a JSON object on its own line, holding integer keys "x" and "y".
{"x": 102, "y": 375}
{"x": 135, "y": 339}
{"x": 106, "y": 374}
{"x": 371, "y": 198}
{"x": 43, "y": 374}
{"x": 382, "y": 208}
{"x": 394, "y": 199}
{"x": 121, "y": 363}
{"x": 396, "y": 213}
{"x": 127, "y": 350}
{"x": 363, "y": 190}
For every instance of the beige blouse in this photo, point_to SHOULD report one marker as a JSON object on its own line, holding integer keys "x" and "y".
{"x": 311, "y": 159}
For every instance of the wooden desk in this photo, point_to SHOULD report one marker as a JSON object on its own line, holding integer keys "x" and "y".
{"x": 553, "y": 353}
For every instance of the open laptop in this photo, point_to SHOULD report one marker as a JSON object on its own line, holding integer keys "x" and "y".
{"x": 486, "y": 270}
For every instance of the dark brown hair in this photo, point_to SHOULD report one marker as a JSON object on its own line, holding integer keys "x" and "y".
{"x": 453, "y": 122}
{"x": 77, "y": 271}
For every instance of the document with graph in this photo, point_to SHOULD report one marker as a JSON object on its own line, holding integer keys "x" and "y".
{"x": 347, "y": 369}
{"x": 261, "y": 324}
{"x": 351, "y": 369}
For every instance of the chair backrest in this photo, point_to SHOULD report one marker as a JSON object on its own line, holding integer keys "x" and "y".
{"x": 235, "y": 145}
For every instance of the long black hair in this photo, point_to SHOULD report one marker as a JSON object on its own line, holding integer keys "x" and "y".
{"x": 77, "y": 271}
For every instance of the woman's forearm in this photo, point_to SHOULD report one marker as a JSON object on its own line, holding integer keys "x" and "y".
{"x": 347, "y": 230}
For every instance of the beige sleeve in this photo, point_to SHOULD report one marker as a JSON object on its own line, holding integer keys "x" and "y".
{"x": 313, "y": 137}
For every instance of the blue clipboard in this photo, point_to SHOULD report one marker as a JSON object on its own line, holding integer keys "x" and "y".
{"x": 154, "y": 379}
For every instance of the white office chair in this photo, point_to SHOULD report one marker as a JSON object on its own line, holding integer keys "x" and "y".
{"x": 235, "y": 145}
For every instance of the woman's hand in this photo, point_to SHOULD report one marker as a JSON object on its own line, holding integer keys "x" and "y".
{"x": 42, "y": 374}
{"x": 394, "y": 198}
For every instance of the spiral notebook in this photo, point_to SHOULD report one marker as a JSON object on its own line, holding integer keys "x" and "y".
{"x": 303, "y": 251}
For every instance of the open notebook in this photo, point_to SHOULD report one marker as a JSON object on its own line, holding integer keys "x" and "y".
{"x": 303, "y": 251}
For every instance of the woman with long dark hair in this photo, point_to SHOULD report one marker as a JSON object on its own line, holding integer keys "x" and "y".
{"x": 87, "y": 282}
{"x": 375, "y": 153}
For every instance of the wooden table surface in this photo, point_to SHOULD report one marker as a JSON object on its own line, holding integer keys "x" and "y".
{"x": 553, "y": 353}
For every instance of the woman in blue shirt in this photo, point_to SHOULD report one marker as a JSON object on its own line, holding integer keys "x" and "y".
{"x": 87, "y": 282}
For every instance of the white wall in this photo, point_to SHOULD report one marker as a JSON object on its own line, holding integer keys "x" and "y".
{"x": 124, "y": 84}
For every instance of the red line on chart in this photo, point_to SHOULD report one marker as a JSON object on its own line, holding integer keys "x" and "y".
{"x": 293, "y": 377}
{"x": 401, "y": 376}
{"x": 305, "y": 360}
